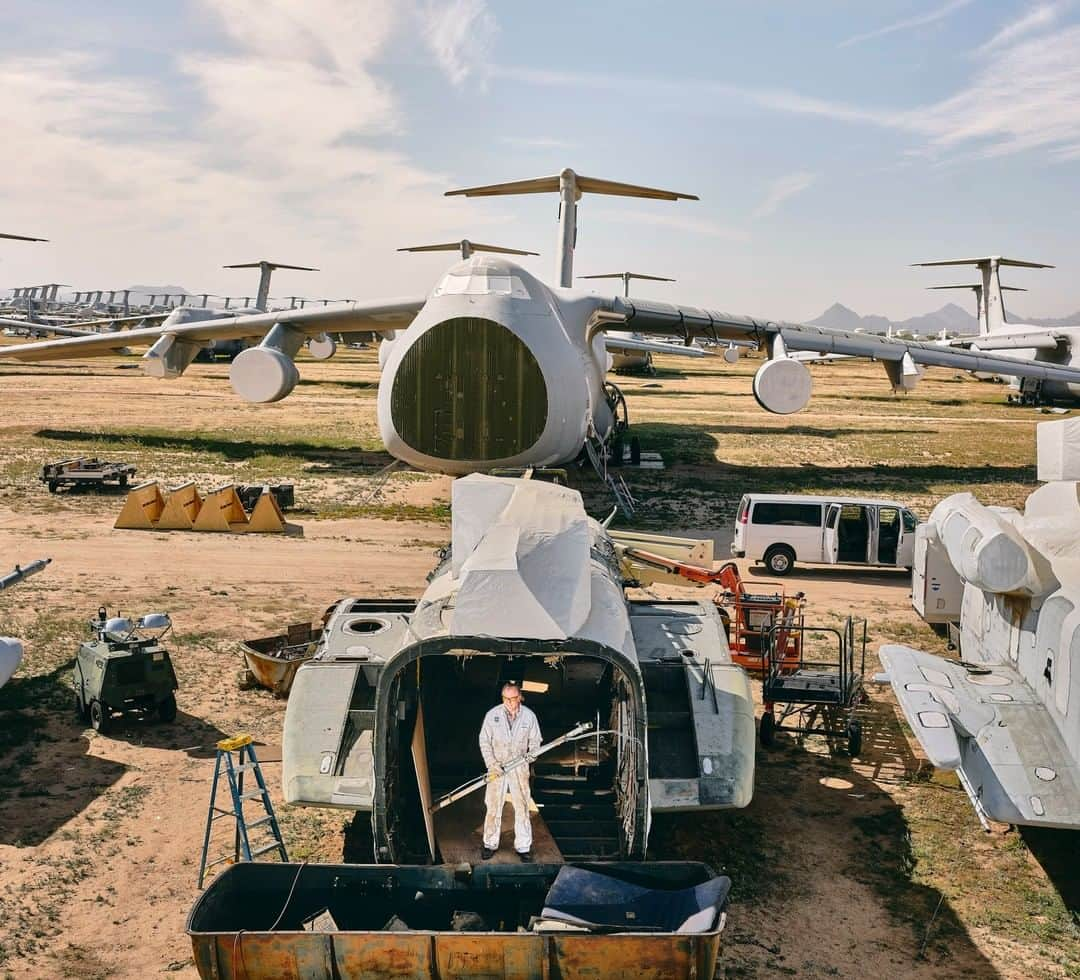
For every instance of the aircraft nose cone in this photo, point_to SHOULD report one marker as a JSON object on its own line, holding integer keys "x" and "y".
{"x": 469, "y": 389}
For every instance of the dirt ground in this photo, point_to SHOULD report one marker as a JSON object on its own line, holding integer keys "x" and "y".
{"x": 841, "y": 867}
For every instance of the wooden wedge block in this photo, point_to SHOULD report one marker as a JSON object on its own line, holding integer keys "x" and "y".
{"x": 221, "y": 510}
{"x": 182, "y": 506}
{"x": 142, "y": 509}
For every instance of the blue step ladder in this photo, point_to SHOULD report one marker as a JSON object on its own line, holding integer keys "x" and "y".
{"x": 244, "y": 749}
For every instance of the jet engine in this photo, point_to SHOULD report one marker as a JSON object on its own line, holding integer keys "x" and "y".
{"x": 266, "y": 373}
{"x": 782, "y": 386}
{"x": 322, "y": 348}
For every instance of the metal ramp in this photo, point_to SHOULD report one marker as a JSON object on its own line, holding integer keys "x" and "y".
{"x": 243, "y": 847}
{"x": 598, "y": 456}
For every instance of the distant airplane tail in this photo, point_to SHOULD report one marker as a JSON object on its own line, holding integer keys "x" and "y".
{"x": 991, "y": 304}
{"x": 980, "y": 308}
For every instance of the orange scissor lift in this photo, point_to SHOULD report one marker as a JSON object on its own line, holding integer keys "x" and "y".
{"x": 750, "y": 617}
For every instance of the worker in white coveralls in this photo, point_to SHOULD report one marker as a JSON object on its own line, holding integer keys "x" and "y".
{"x": 510, "y": 731}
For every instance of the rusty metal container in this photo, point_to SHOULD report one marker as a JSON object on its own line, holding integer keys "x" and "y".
{"x": 261, "y": 921}
{"x": 274, "y": 660}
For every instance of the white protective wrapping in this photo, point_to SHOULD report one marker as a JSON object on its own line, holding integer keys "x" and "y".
{"x": 1058, "y": 449}
{"x": 11, "y": 652}
{"x": 521, "y": 555}
{"x": 988, "y": 551}
{"x": 1052, "y": 524}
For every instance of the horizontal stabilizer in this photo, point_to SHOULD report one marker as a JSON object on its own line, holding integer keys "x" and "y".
{"x": 986, "y": 260}
{"x": 590, "y": 185}
{"x": 976, "y": 285}
{"x": 1041, "y": 340}
{"x": 273, "y": 265}
{"x": 628, "y": 275}
{"x": 466, "y": 243}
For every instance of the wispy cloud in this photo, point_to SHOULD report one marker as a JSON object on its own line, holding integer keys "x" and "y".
{"x": 781, "y": 190}
{"x": 699, "y": 226}
{"x": 939, "y": 13}
{"x": 1034, "y": 20}
{"x": 538, "y": 142}
{"x": 460, "y": 34}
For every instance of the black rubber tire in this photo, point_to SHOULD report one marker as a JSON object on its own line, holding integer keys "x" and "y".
{"x": 767, "y": 730}
{"x": 635, "y": 451}
{"x": 167, "y": 709}
{"x": 854, "y": 738}
{"x": 99, "y": 717}
{"x": 80, "y": 708}
{"x": 779, "y": 559}
{"x": 54, "y": 485}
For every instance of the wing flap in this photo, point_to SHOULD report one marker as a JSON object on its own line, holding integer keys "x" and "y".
{"x": 616, "y": 344}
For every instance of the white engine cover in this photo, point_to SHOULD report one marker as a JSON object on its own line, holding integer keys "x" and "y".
{"x": 782, "y": 386}
{"x": 262, "y": 374}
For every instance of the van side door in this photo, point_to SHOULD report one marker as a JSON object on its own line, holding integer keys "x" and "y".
{"x": 905, "y": 554}
{"x": 830, "y": 541}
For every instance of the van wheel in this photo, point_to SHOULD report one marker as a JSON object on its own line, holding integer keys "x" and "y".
{"x": 767, "y": 730}
{"x": 780, "y": 559}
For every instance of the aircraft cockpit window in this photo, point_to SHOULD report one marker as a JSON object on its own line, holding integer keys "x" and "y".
{"x": 482, "y": 284}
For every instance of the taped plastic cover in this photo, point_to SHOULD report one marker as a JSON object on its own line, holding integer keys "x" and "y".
{"x": 988, "y": 551}
{"x": 11, "y": 652}
{"x": 1058, "y": 449}
{"x": 521, "y": 554}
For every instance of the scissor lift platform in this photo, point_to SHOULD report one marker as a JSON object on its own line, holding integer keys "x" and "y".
{"x": 815, "y": 697}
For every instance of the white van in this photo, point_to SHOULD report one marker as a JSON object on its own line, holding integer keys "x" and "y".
{"x": 779, "y": 529}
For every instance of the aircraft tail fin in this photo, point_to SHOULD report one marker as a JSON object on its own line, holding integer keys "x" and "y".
{"x": 570, "y": 186}
{"x": 991, "y": 304}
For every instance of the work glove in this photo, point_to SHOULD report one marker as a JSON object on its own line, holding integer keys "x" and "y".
{"x": 495, "y": 771}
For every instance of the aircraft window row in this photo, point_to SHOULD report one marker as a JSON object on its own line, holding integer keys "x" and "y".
{"x": 481, "y": 284}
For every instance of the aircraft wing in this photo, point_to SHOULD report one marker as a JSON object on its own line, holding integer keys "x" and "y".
{"x": 379, "y": 316}
{"x": 691, "y": 321}
{"x": 617, "y": 345}
{"x": 985, "y": 722}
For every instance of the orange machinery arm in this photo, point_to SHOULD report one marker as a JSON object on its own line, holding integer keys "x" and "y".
{"x": 727, "y": 575}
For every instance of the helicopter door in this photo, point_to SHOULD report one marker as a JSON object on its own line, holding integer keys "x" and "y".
{"x": 830, "y": 547}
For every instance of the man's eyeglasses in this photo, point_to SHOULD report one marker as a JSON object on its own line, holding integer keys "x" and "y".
{"x": 511, "y": 700}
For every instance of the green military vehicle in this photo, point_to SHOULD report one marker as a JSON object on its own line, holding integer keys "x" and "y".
{"x": 125, "y": 669}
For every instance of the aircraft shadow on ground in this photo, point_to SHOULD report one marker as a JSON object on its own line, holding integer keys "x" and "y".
{"x": 819, "y": 818}
{"x": 329, "y": 459}
{"x": 1057, "y": 854}
{"x": 47, "y": 773}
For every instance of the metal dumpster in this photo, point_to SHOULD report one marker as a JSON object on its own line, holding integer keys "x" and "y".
{"x": 313, "y": 921}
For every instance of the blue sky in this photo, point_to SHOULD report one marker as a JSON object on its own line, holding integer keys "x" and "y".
{"x": 831, "y": 144}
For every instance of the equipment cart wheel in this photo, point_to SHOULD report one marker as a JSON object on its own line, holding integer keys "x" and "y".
{"x": 167, "y": 709}
{"x": 854, "y": 738}
{"x": 780, "y": 559}
{"x": 767, "y": 730}
{"x": 54, "y": 485}
{"x": 99, "y": 717}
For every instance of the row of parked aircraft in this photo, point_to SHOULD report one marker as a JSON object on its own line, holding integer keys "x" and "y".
{"x": 496, "y": 368}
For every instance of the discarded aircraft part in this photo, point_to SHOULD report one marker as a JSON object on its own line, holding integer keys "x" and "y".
{"x": 11, "y": 654}
{"x": 84, "y": 471}
{"x": 274, "y": 660}
{"x": 1005, "y": 716}
{"x": 221, "y": 511}
{"x": 124, "y": 669}
{"x": 937, "y": 589}
{"x": 181, "y": 509}
{"x": 822, "y": 695}
{"x": 143, "y": 508}
{"x": 487, "y": 921}
{"x": 530, "y": 591}
{"x": 21, "y": 572}
{"x": 782, "y": 386}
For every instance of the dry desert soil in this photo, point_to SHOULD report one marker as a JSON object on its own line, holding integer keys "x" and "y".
{"x": 873, "y": 866}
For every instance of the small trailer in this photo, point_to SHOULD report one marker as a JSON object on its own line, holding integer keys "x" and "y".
{"x": 85, "y": 471}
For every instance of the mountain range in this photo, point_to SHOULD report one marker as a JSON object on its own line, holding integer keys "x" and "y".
{"x": 950, "y": 317}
